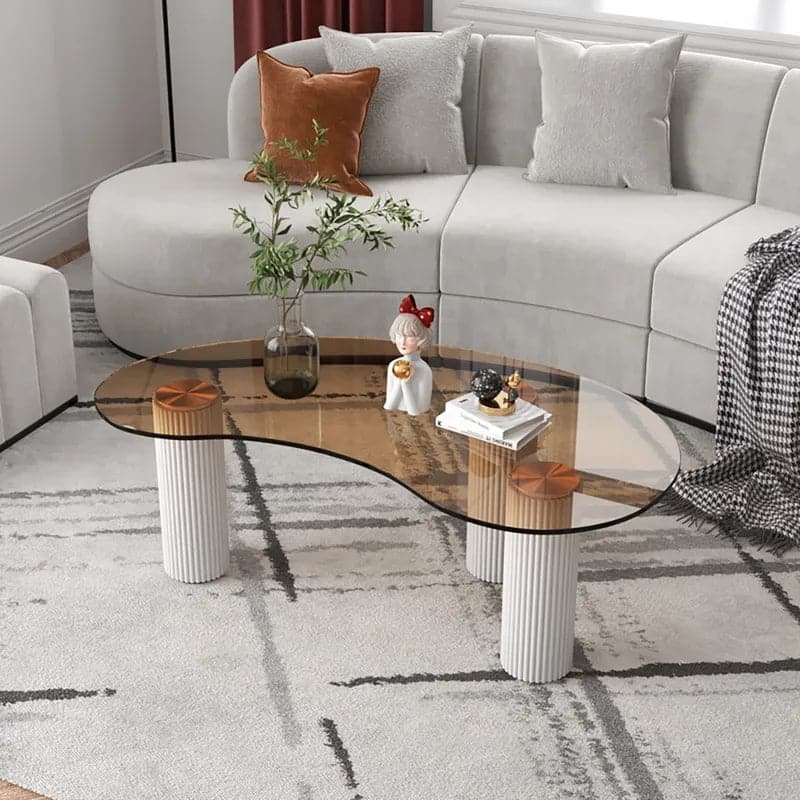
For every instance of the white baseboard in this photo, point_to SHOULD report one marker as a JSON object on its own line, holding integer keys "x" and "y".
{"x": 59, "y": 225}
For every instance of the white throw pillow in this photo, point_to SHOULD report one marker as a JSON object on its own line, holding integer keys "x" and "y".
{"x": 414, "y": 119}
{"x": 605, "y": 113}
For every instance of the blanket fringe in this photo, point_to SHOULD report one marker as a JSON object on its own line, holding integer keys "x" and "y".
{"x": 727, "y": 527}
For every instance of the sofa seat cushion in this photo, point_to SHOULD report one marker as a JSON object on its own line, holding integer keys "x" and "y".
{"x": 586, "y": 249}
{"x": 688, "y": 283}
{"x": 168, "y": 229}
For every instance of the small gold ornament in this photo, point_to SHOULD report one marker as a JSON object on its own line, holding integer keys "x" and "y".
{"x": 402, "y": 369}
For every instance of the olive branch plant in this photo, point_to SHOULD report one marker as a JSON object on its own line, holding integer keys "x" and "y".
{"x": 283, "y": 267}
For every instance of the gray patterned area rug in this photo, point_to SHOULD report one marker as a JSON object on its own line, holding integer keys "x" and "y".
{"x": 348, "y": 654}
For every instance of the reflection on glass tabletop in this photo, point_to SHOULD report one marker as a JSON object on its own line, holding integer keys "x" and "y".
{"x": 624, "y": 455}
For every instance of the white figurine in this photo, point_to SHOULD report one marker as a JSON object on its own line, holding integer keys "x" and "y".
{"x": 409, "y": 380}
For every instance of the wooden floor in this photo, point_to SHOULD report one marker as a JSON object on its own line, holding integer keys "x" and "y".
{"x": 62, "y": 259}
{"x": 9, "y": 791}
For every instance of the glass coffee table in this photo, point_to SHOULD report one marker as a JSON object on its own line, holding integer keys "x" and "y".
{"x": 604, "y": 458}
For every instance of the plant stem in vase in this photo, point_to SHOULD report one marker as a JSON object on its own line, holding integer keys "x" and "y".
{"x": 291, "y": 352}
{"x": 284, "y": 266}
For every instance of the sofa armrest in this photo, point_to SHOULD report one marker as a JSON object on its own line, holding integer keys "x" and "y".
{"x": 47, "y": 296}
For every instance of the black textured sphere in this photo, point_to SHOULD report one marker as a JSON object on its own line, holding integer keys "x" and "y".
{"x": 486, "y": 383}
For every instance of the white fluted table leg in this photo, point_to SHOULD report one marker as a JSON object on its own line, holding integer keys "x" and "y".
{"x": 193, "y": 497}
{"x": 538, "y": 622}
{"x": 485, "y": 552}
{"x": 193, "y": 508}
{"x": 489, "y": 467}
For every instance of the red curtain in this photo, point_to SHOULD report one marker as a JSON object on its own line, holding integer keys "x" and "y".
{"x": 259, "y": 24}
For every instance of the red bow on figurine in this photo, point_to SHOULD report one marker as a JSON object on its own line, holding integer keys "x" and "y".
{"x": 408, "y": 305}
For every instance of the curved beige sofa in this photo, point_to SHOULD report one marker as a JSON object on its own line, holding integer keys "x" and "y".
{"x": 618, "y": 285}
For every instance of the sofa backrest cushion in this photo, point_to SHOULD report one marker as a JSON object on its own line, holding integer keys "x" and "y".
{"x": 719, "y": 116}
{"x": 244, "y": 111}
{"x": 718, "y": 120}
{"x": 510, "y": 105}
{"x": 779, "y": 182}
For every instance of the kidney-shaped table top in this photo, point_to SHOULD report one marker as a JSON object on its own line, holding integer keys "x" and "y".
{"x": 624, "y": 455}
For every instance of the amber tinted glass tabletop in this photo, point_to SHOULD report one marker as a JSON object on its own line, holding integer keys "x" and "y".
{"x": 624, "y": 455}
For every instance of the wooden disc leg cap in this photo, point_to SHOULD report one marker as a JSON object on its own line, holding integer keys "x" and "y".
{"x": 191, "y": 480}
{"x": 545, "y": 480}
{"x": 540, "y": 496}
{"x": 187, "y": 407}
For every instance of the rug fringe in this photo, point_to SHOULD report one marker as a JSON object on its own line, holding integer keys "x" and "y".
{"x": 727, "y": 527}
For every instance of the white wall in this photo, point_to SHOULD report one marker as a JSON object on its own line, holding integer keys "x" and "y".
{"x": 760, "y": 30}
{"x": 201, "y": 49}
{"x": 83, "y": 96}
{"x": 80, "y": 100}
{"x": 440, "y": 10}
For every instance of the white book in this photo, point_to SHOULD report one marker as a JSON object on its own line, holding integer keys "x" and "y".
{"x": 525, "y": 413}
{"x": 450, "y": 420}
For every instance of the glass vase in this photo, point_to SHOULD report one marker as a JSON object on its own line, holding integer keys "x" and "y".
{"x": 291, "y": 352}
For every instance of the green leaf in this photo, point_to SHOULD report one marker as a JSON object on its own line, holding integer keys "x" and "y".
{"x": 279, "y": 263}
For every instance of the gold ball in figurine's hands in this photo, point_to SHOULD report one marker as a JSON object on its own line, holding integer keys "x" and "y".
{"x": 402, "y": 369}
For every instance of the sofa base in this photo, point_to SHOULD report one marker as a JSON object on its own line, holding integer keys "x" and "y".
{"x": 145, "y": 323}
{"x": 608, "y": 351}
{"x": 679, "y": 416}
{"x": 682, "y": 376}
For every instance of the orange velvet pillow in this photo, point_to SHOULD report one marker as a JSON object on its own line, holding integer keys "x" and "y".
{"x": 291, "y": 98}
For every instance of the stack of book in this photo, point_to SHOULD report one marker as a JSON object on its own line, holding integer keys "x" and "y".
{"x": 513, "y": 431}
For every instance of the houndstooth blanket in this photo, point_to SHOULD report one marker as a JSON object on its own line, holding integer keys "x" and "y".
{"x": 752, "y": 488}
